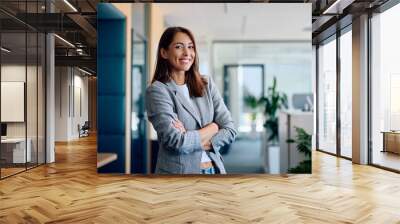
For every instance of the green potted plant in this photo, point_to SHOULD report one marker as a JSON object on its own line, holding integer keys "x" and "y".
{"x": 273, "y": 102}
{"x": 303, "y": 141}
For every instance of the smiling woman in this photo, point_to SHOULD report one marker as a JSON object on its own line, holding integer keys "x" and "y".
{"x": 186, "y": 110}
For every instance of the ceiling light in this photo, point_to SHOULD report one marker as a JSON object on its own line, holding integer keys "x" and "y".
{"x": 70, "y": 5}
{"x": 337, "y": 7}
{"x": 5, "y": 50}
{"x": 65, "y": 41}
{"x": 84, "y": 71}
{"x": 80, "y": 51}
{"x": 326, "y": 11}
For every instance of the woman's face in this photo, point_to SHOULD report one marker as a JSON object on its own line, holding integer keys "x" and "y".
{"x": 180, "y": 53}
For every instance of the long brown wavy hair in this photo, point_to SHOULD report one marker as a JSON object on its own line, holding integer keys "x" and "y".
{"x": 193, "y": 79}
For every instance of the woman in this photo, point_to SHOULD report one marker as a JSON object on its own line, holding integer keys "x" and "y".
{"x": 186, "y": 110}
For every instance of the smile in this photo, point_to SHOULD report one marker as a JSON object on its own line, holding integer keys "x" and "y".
{"x": 185, "y": 61}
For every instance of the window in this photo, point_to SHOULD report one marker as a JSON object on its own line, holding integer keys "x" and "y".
{"x": 327, "y": 96}
{"x": 385, "y": 89}
{"x": 346, "y": 94}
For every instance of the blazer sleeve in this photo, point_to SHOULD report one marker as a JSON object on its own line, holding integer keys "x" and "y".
{"x": 222, "y": 116}
{"x": 160, "y": 113}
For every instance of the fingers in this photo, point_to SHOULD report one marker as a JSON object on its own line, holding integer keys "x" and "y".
{"x": 179, "y": 122}
{"x": 206, "y": 145}
{"x": 179, "y": 125}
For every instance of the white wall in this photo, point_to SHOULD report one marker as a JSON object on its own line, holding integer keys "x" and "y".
{"x": 12, "y": 73}
{"x": 70, "y": 84}
{"x": 61, "y": 103}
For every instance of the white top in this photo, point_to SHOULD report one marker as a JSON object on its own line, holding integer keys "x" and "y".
{"x": 185, "y": 91}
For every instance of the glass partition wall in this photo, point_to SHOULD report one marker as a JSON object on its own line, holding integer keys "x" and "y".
{"x": 327, "y": 96}
{"x": 334, "y": 111}
{"x": 385, "y": 89}
{"x": 237, "y": 85}
{"x": 22, "y": 87}
{"x": 13, "y": 110}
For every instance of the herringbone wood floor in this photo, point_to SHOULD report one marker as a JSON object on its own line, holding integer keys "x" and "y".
{"x": 70, "y": 191}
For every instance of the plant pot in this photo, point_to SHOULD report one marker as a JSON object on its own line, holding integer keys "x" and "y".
{"x": 253, "y": 132}
{"x": 270, "y": 154}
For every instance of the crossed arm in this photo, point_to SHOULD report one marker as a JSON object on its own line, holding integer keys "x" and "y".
{"x": 221, "y": 131}
{"x": 206, "y": 133}
{"x": 171, "y": 132}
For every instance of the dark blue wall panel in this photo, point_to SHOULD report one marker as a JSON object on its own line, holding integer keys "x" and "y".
{"x": 111, "y": 69}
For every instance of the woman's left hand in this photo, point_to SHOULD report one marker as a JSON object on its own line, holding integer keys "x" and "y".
{"x": 206, "y": 145}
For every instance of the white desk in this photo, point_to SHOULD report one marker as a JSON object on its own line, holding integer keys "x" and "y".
{"x": 18, "y": 149}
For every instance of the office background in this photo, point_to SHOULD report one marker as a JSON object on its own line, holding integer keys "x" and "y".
{"x": 243, "y": 59}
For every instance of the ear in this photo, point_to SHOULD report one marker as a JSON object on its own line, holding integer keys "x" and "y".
{"x": 164, "y": 53}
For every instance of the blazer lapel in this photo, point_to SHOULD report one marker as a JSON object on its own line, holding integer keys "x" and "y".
{"x": 186, "y": 104}
{"x": 204, "y": 109}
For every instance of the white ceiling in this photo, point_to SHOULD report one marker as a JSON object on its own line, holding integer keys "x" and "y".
{"x": 238, "y": 21}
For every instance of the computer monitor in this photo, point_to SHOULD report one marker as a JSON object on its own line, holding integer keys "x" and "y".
{"x": 303, "y": 101}
{"x": 3, "y": 129}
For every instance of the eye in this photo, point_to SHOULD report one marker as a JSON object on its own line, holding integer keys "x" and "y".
{"x": 191, "y": 47}
{"x": 178, "y": 46}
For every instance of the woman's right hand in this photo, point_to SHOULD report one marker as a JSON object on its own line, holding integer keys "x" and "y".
{"x": 207, "y": 133}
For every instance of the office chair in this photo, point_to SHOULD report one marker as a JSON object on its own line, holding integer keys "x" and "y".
{"x": 84, "y": 130}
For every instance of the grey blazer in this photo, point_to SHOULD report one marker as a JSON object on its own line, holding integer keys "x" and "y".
{"x": 180, "y": 153}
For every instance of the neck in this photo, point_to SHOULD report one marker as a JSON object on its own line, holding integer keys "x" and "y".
{"x": 179, "y": 77}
